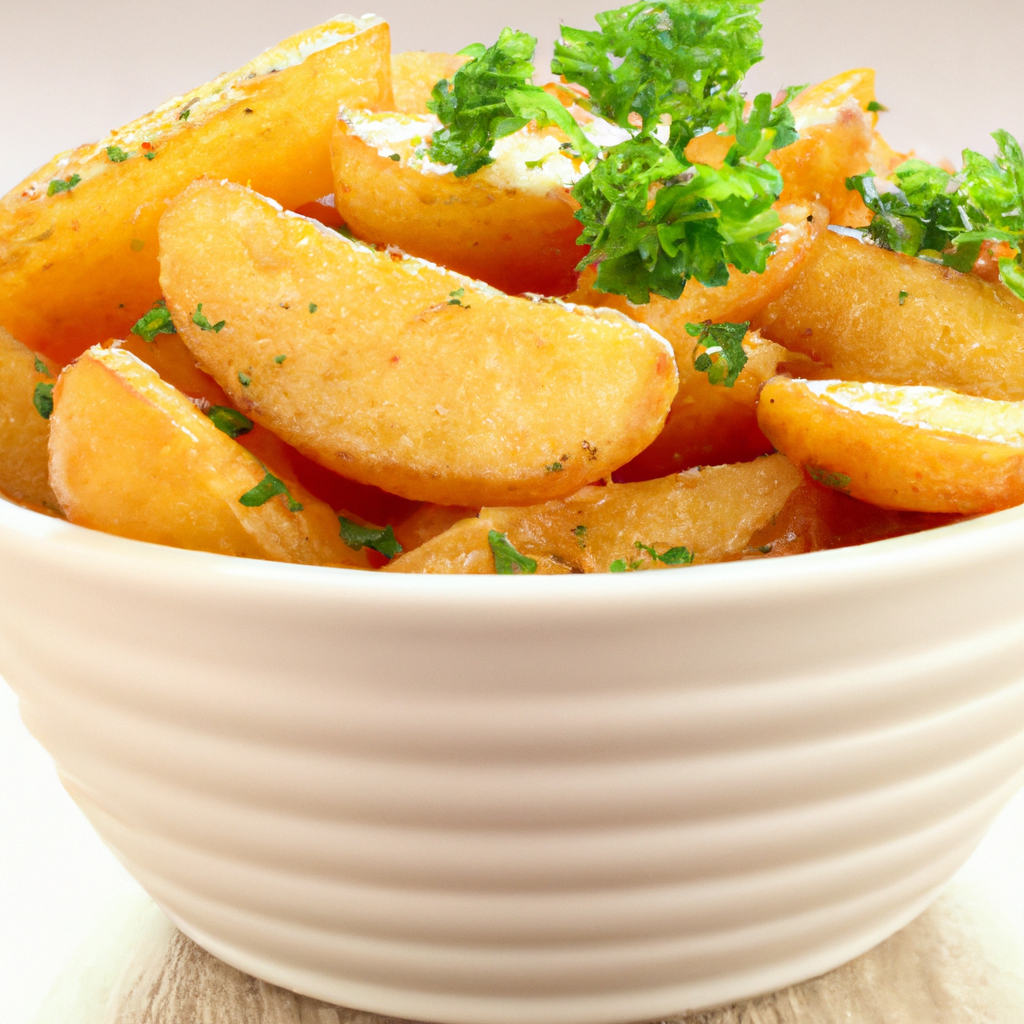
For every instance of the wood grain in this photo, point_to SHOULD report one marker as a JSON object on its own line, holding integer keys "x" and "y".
{"x": 959, "y": 963}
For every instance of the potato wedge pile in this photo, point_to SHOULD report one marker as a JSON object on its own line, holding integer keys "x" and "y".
{"x": 278, "y": 319}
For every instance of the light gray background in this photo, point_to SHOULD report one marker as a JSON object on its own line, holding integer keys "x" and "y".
{"x": 70, "y": 70}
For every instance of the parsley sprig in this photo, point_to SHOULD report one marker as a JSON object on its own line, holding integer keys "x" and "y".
{"x": 156, "y": 321}
{"x": 508, "y": 561}
{"x": 723, "y": 356}
{"x": 926, "y": 211}
{"x": 269, "y": 487}
{"x": 358, "y": 537}
{"x": 664, "y": 72}
{"x": 489, "y": 97}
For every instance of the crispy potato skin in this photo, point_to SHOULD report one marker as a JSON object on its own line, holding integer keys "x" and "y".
{"x": 818, "y": 518}
{"x": 880, "y": 448}
{"x": 837, "y": 140}
{"x": 953, "y": 330}
{"x": 513, "y": 240}
{"x": 79, "y": 267}
{"x": 414, "y": 75}
{"x": 132, "y": 456}
{"x": 391, "y": 384}
{"x": 463, "y": 549}
{"x": 24, "y": 434}
{"x": 712, "y": 512}
{"x": 430, "y": 521}
{"x": 711, "y": 425}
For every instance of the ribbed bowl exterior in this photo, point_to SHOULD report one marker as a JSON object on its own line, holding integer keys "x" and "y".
{"x": 572, "y": 800}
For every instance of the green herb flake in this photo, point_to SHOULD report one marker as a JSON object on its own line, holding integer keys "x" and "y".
{"x": 874, "y": 107}
{"x": 455, "y": 298}
{"x": 555, "y": 467}
{"x": 229, "y": 421}
{"x": 925, "y": 211}
{"x": 618, "y": 566}
{"x": 508, "y": 561}
{"x": 156, "y": 321}
{"x": 313, "y": 307}
{"x": 723, "y": 356}
{"x": 137, "y": 245}
{"x": 269, "y": 487}
{"x": 244, "y": 379}
{"x": 837, "y": 481}
{"x": 42, "y": 399}
{"x": 397, "y": 157}
{"x": 42, "y": 368}
{"x": 280, "y": 359}
{"x": 674, "y": 556}
{"x": 358, "y": 537}
{"x": 63, "y": 184}
{"x": 151, "y": 155}
{"x": 903, "y": 298}
{"x": 533, "y": 165}
{"x": 200, "y": 320}
{"x": 184, "y": 115}
{"x": 116, "y": 155}
{"x": 580, "y": 533}
{"x": 492, "y": 96}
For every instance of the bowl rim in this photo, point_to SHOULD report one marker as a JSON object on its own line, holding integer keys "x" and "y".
{"x": 60, "y": 548}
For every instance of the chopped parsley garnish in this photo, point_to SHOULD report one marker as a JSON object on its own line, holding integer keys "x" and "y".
{"x": 397, "y": 157}
{"x": 455, "y": 298}
{"x": 837, "y": 481}
{"x": 183, "y": 116}
{"x": 200, "y": 320}
{"x": 42, "y": 368}
{"x": 63, "y": 184}
{"x": 667, "y": 72}
{"x": 244, "y": 379}
{"x": 619, "y": 565}
{"x": 555, "y": 467}
{"x": 117, "y": 155}
{"x": 156, "y": 321}
{"x": 358, "y": 537}
{"x": 313, "y": 307}
{"x": 580, "y": 534}
{"x": 508, "y": 561}
{"x": 279, "y": 359}
{"x": 269, "y": 487}
{"x": 723, "y": 357}
{"x": 925, "y": 211}
{"x": 151, "y": 155}
{"x": 674, "y": 556}
{"x": 42, "y": 399}
{"x": 874, "y": 107}
{"x": 903, "y": 298}
{"x": 489, "y": 97}
{"x": 229, "y": 421}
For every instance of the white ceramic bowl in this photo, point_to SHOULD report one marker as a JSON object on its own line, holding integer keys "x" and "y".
{"x": 562, "y": 800}
{"x": 572, "y": 800}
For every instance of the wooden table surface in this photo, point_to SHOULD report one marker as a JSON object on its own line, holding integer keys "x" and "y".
{"x": 962, "y": 962}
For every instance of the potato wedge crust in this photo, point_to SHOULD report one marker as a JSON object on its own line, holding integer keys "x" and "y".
{"x": 414, "y": 75}
{"x": 502, "y": 228}
{"x": 132, "y": 456}
{"x": 398, "y": 373}
{"x": 946, "y": 330}
{"x": 24, "y": 433}
{"x": 713, "y": 513}
{"x": 80, "y": 266}
{"x": 916, "y": 449}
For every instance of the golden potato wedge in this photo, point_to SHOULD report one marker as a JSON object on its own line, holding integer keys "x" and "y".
{"x": 737, "y": 302}
{"x": 837, "y": 140}
{"x": 430, "y": 521}
{"x": 712, "y": 513}
{"x": 710, "y": 425}
{"x": 414, "y": 75}
{"x": 394, "y": 372}
{"x": 463, "y": 549}
{"x": 509, "y": 225}
{"x": 24, "y": 432}
{"x": 819, "y": 518}
{"x": 876, "y": 315}
{"x": 78, "y": 239}
{"x": 132, "y": 456}
{"x": 918, "y": 449}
